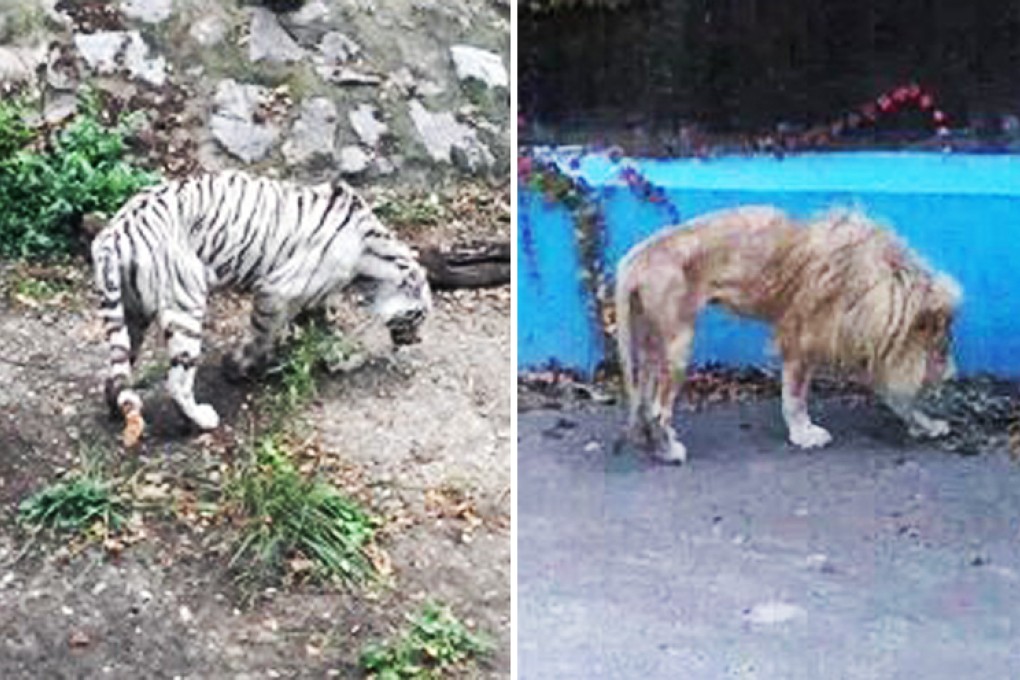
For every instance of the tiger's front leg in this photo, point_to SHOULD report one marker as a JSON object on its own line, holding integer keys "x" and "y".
{"x": 184, "y": 344}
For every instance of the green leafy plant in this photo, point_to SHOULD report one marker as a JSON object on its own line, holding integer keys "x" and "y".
{"x": 434, "y": 644}
{"x": 47, "y": 184}
{"x": 288, "y": 517}
{"x": 410, "y": 212}
{"x": 75, "y": 505}
{"x": 311, "y": 347}
{"x": 40, "y": 290}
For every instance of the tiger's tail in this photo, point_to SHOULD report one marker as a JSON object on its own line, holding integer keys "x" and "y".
{"x": 121, "y": 399}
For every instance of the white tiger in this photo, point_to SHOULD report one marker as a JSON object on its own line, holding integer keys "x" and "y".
{"x": 291, "y": 245}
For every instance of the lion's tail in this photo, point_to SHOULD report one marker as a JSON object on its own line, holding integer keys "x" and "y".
{"x": 629, "y": 320}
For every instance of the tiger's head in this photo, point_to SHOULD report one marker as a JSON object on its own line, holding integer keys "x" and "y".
{"x": 405, "y": 305}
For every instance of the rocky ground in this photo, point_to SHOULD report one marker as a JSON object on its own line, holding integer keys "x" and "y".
{"x": 374, "y": 90}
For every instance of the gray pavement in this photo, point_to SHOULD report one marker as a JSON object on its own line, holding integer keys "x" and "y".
{"x": 873, "y": 558}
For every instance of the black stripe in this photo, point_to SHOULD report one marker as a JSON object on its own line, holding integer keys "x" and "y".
{"x": 182, "y": 360}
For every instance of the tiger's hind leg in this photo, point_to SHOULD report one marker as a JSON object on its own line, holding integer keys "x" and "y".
{"x": 183, "y": 331}
{"x": 129, "y": 346}
{"x": 269, "y": 317}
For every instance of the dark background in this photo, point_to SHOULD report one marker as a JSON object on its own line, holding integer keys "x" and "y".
{"x": 737, "y": 67}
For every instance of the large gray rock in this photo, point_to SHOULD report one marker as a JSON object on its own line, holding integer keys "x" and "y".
{"x": 481, "y": 65}
{"x": 149, "y": 11}
{"x": 353, "y": 160}
{"x": 19, "y": 64}
{"x": 366, "y": 125}
{"x": 233, "y": 124}
{"x": 269, "y": 41}
{"x": 313, "y": 133}
{"x": 104, "y": 51}
{"x": 447, "y": 140}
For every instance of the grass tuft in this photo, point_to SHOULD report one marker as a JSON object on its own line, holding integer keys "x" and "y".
{"x": 76, "y": 505}
{"x": 290, "y": 519}
{"x": 312, "y": 347}
{"x": 435, "y": 644}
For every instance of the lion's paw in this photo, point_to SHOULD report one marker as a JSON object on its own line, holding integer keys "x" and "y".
{"x": 810, "y": 436}
{"x": 673, "y": 452}
{"x": 930, "y": 428}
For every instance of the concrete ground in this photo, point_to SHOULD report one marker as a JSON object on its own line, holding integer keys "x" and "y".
{"x": 874, "y": 558}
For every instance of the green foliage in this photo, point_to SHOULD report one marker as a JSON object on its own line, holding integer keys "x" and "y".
{"x": 435, "y": 644}
{"x": 14, "y": 133}
{"x": 40, "y": 290}
{"x": 74, "y": 506}
{"x": 47, "y": 185}
{"x": 289, "y": 517}
{"x": 410, "y": 212}
{"x": 312, "y": 346}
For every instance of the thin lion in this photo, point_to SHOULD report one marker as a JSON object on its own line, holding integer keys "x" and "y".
{"x": 839, "y": 291}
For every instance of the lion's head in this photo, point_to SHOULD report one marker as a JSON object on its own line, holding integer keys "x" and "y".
{"x": 864, "y": 301}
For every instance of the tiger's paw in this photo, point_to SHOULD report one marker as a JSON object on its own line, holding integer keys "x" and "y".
{"x": 205, "y": 417}
{"x": 236, "y": 370}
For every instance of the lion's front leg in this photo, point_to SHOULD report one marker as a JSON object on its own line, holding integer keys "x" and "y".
{"x": 918, "y": 424}
{"x": 796, "y": 383}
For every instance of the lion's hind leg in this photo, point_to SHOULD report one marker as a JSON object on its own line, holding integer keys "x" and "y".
{"x": 796, "y": 383}
{"x": 660, "y": 374}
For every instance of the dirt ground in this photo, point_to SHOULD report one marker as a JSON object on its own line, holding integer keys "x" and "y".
{"x": 876, "y": 557}
{"x": 409, "y": 434}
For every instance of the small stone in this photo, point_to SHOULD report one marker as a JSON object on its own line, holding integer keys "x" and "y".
{"x": 337, "y": 48}
{"x": 445, "y": 138}
{"x": 313, "y": 132}
{"x": 185, "y": 614}
{"x": 353, "y": 160}
{"x": 269, "y": 41}
{"x": 770, "y": 613}
{"x": 103, "y": 51}
{"x": 478, "y": 64}
{"x": 403, "y": 81}
{"x": 209, "y": 30}
{"x": 365, "y": 124}
{"x": 60, "y": 108}
{"x": 233, "y": 123}
{"x": 149, "y": 11}
{"x": 343, "y": 75}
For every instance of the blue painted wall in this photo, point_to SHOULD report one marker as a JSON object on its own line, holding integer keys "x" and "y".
{"x": 960, "y": 211}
